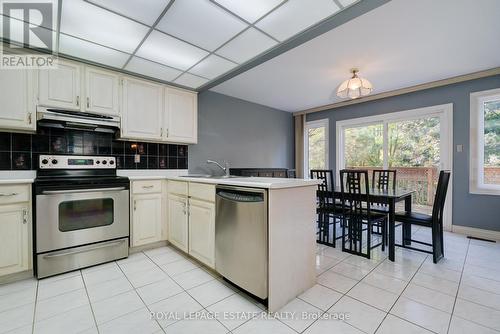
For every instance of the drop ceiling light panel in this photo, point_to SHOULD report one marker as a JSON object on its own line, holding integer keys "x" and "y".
{"x": 16, "y": 34}
{"x": 212, "y": 67}
{"x": 170, "y": 51}
{"x": 190, "y": 80}
{"x": 250, "y": 10}
{"x": 201, "y": 23}
{"x": 246, "y": 46}
{"x": 145, "y": 11}
{"x": 296, "y": 16}
{"x": 88, "y": 51}
{"x": 94, "y": 24}
{"x": 151, "y": 69}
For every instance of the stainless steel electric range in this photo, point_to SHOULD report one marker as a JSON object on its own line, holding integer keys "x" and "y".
{"x": 81, "y": 213}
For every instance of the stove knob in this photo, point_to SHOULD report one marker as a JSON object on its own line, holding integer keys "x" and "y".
{"x": 45, "y": 161}
{"x": 104, "y": 162}
{"x": 111, "y": 162}
{"x": 97, "y": 162}
{"x": 54, "y": 161}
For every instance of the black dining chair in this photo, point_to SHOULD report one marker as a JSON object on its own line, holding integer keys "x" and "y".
{"x": 382, "y": 179}
{"x": 357, "y": 214}
{"x": 329, "y": 212}
{"x": 434, "y": 221}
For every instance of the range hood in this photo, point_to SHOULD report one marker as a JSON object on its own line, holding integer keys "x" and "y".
{"x": 76, "y": 120}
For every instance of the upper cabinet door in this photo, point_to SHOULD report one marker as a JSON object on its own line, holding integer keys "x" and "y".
{"x": 101, "y": 92}
{"x": 141, "y": 110}
{"x": 18, "y": 104}
{"x": 181, "y": 112}
{"x": 60, "y": 87}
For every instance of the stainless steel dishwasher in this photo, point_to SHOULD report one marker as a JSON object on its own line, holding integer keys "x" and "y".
{"x": 241, "y": 236}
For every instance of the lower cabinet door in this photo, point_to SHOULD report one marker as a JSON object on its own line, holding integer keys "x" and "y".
{"x": 202, "y": 231}
{"x": 178, "y": 221}
{"x": 14, "y": 239}
{"x": 146, "y": 219}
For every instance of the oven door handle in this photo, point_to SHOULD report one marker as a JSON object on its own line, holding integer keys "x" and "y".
{"x": 74, "y": 191}
{"x": 66, "y": 253}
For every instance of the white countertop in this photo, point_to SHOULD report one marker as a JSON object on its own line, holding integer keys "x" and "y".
{"x": 12, "y": 177}
{"x": 256, "y": 182}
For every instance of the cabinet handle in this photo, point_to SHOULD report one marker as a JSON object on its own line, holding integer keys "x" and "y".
{"x": 161, "y": 132}
{"x": 135, "y": 205}
{"x": 29, "y": 119}
{"x": 147, "y": 187}
{"x": 168, "y": 133}
{"x": 9, "y": 194}
{"x": 88, "y": 102}
{"x": 77, "y": 101}
{"x": 25, "y": 216}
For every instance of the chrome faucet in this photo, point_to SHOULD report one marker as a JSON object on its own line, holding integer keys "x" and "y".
{"x": 225, "y": 169}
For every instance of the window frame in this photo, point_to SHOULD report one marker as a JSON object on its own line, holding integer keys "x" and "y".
{"x": 312, "y": 125}
{"x": 476, "y": 136}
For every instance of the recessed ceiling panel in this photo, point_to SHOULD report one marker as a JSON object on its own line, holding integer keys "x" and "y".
{"x": 212, "y": 67}
{"x": 87, "y": 21}
{"x": 246, "y": 46}
{"x": 85, "y": 50}
{"x": 16, "y": 33}
{"x": 250, "y": 10}
{"x": 200, "y": 22}
{"x": 151, "y": 69}
{"x": 170, "y": 51}
{"x": 145, "y": 11}
{"x": 296, "y": 16}
{"x": 190, "y": 80}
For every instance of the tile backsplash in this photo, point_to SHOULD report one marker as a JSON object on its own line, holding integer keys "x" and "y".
{"x": 20, "y": 151}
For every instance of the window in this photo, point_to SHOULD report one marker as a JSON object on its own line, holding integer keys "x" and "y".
{"x": 316, "y": 146}
{"x": 485, "y": 142}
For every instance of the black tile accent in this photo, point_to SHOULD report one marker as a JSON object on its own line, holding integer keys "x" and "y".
{"x": 5, "y": 140}
{"x": 4, "y": 160}
{"x": 20, "y": 151}
{"x": 152, "y": 162}
{"x": 21, "y": 142}
{"x": 21, "y": 160}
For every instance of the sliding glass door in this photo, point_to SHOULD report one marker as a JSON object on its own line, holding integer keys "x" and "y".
{"x": 416, "y": 143}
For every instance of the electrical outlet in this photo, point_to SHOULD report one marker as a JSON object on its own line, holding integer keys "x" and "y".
{"x": 137, "y": 158}
{"x": 460, "y": 148}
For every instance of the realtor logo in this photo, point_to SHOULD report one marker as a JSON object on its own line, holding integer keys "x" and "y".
{"x": 27, "y": 26}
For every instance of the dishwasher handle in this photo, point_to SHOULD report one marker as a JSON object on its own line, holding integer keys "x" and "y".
{"x": 240, "y": 196}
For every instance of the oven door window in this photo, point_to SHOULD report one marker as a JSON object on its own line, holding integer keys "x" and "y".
{"x": 84, "y": 214}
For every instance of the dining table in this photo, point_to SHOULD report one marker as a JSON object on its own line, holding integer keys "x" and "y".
{"x": 388, "y": 197}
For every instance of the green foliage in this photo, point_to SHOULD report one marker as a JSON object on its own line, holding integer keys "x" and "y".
{"x": 492, "y": 134}
{"x": 317, "y": 148}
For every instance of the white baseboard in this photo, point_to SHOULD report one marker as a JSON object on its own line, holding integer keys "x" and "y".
{"x": 476, "y": 232}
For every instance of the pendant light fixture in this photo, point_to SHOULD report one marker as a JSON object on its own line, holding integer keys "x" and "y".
{"x": 354, "y": 87}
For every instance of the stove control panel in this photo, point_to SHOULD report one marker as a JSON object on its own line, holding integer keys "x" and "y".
{"x": 76, "y": 162}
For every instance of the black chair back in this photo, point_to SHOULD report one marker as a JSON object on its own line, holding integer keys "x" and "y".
{"x": 382, "y": 179}
{"x": 355, "y": 196}
{"x": 440, "y": 197}
{"x": 325, "y": 189}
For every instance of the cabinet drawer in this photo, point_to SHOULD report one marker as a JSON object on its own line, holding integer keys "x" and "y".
{"x": 178, "y": 188}
{"x": 202, "y": 191}
{"x": 146, "y": 187}
{"x": 15, "y": 193}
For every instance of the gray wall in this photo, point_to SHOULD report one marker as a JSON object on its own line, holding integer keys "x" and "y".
{"x": 244, "y": 133}
{"x": 480, "y": 211}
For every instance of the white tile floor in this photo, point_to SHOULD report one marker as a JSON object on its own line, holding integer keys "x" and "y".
{"x": 461, "y": 294}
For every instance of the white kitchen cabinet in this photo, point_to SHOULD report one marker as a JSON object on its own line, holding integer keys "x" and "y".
{"x": 101, "y": 91}
{"x": 142, "y": 109}
{"x": 18, "y": 100}
{"x": 60, "y": 87}
{"x": 146, "y": 219}
{"x": 202, "y": 231}
{"x": 178, "y": 221}
{"x": 15, "y": 229}
{"x": 181, "y": 116}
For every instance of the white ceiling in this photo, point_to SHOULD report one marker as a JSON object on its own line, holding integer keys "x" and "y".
{"x": 187, "y": 42}
{"x": 399, "y": 44}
